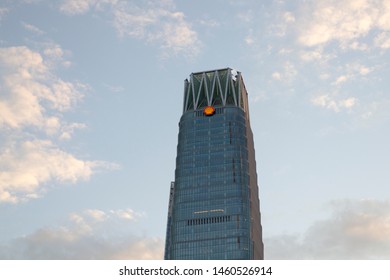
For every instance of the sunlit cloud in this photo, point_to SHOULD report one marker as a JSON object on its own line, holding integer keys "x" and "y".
{"x": 27, "y": 166}
{"x": 383, "y": 40}
{"x": 341, "y": 79}
{"x": 250, "y": 39}
{"x": 353, "y": 71}
{"x": 287, "y": 74}
{"x": 89, "y": 234}
{"x": 159, "y": 24}
{"x": 32, "y": 105}
{"x": 209, "y": 22}
{"x": 32, "y": 28}
{"x": 156, "y": 22}
{"x": 276, "y": 76}
{"x": 31, "y": 91}
{"x": 333, "y": 103}
{"x": 74, "y": 7}
{"x": 68, "y": 130}
{"x": 344, "y": 21}
{"x": 246, "y": 16}
{"x": 3, "y": 12}
{"x": 355, "y": 230}
{"x": 127, "y": 214}
{"x": 288, "y": 17}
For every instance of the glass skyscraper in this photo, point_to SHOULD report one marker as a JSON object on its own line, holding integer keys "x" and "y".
{"x": 214, "y": 210}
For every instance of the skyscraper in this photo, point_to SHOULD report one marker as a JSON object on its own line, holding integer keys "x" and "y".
{"x": 214, "y": 210}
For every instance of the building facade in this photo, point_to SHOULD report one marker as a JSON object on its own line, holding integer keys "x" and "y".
{"x": 214, "y": 210}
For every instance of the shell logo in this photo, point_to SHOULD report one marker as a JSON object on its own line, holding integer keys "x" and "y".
{"x": 209, "y": 111}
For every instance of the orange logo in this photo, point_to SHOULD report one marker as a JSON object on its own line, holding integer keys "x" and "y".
{"x": 209, "y": 110}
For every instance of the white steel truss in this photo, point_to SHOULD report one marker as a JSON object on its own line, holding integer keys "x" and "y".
{"x": 223, "y": 87}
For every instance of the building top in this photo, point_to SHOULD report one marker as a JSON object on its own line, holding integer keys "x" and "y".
{"x": 218, "y": 88}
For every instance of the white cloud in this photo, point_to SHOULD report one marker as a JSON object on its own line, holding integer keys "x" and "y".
{"x": 178, "y": 37}
{"x": 246, "y": 16}
{"x": 290, "y": 70}
{"x": 32, "y": 28}
{"x": 76, "y": 7}
{"x": 374, "y": 111}
{"x": 155, "y": 22}
{"x": 317, "y": 55}
{"x": 359, "y": 46}
{"x": 159, "y": 24}
{"x": 311, "y": 55}
{"x": 352, "y": 71}
{"x": 334, "y": 103}
{"x": 356, "y": 230}
{"x": 285, "y": 51}
{"x": 276, "y": 76}
{"x": 363, "y": 70}
{"x": 249, "y": 39}
{"x": 96, "y": 214}
{"x": 30, "y": 91}
{"x": 324, "y": 76}
{"x": 73, "y": 7}
{"x": 90, "y": 234}
{"x": 288, "y": 17}
{"x": 260, "y": 96}
{"x": 280, "y": 28}
{"x": 33, "y": 100}
{"x": 287, "y": 74}
{"x": 341, "y": 79}
{"x": 27, "y": 166}
{"x": 114, "y": 88}
{"x": 348, "y": 103}
{"x": 383, "y": 40}
{"x": 3, "y": 11}
{"x": 127, "y": 214}
{"x": 359, "y": 69}
{"x": 54, "y": 52}
{"x": 209, "y": 22}
{"x": 344, "y": 21}
{"x": 68, "y": 130}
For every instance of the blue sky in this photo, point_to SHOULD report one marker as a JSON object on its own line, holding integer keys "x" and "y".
{"x": 90, "y": 98}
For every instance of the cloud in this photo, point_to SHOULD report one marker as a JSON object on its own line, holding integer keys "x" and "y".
{"x": 127, "y": 214}
{"x": 209, "y": 22}
{"x": 114, "y": 88}
{"x": 3, "y": 12}
{"x": 156, "y": 22}
{"x": 344, "y": 21}
{"x": 334, "y": 103}
{"x": 250, "y": 38}
{"x": 30, "y": 91}
{"x": 68, "y": 130}
{"x": 32, "y": 28}
{"x": 288, "y": 17}
{"x": 355, "y": 230}
{"x": 352, "y": 71}
{"x": 383, "y": 40}
{"x": 74, "y": 7}
{"x": 318, "y": 55}
{"x": 33, "y": 100}
{"x": 27, "y": 166}
{"x": 246, "y": 16}
{"x": 341, "y": 79}
{"x": 287, "y": 74}
{"x": 90, "y": 234}
{"x": 276, "y": 76}
{"x": 378, "y": 110}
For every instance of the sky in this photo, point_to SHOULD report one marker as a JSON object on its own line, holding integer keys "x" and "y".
{"x": 91, "y": 93}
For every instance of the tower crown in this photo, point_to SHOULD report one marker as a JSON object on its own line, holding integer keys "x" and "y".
{"x": 223, "y": 87}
